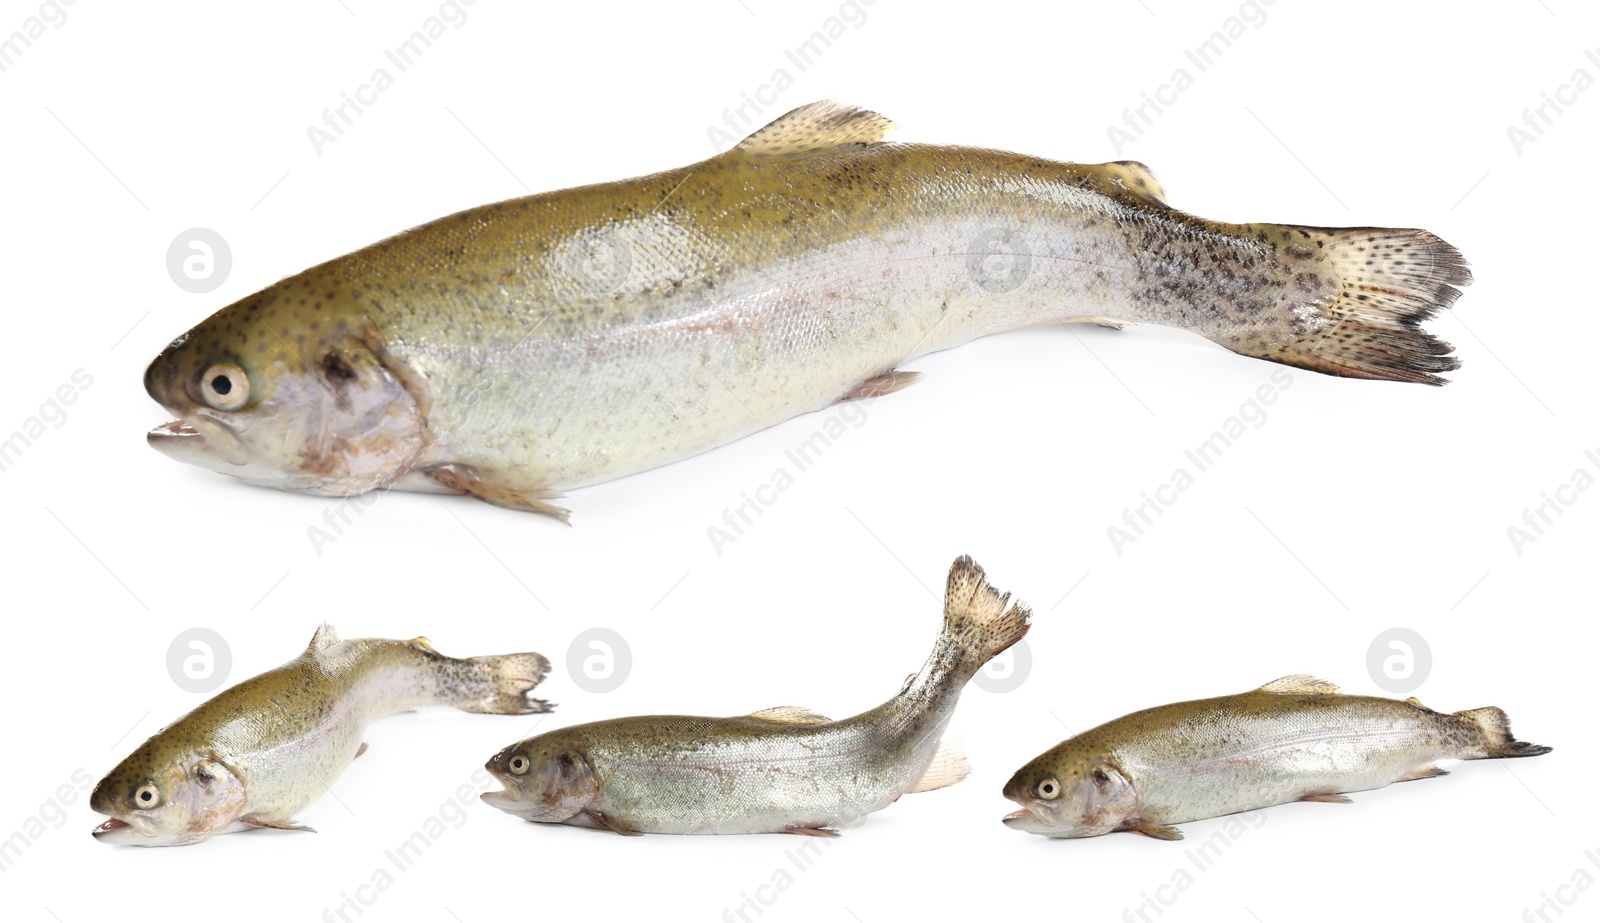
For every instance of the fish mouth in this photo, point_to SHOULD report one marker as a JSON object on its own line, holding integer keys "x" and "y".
{"x": 1029, "y": 820}
{"x": 133, "y": 829}
{"x": 198, "y": 441}
{"x": 506, "y": 799}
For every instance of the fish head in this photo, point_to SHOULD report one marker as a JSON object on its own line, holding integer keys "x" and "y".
{"x": 167, "y": 803}
{"x": 1071, "y": 795}
{"x": 548, "y": 782}
{"x": 282, "y": 394}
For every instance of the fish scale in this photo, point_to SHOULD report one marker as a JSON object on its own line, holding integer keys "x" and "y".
{"x": 529, "y": 347}
{"x": 783, "y": 770}
{"x": 1296, "y": 738}
{"x": 260, "y": 751}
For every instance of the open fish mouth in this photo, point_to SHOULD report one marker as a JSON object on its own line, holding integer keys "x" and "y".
{"x": 130, "y": 830}
{"x": 199, "y": 441}
{"x": 505, "y": 799}
{"x": 1028, "y": 819}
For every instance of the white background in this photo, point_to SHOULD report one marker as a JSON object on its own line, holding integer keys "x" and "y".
{"x": 1355, "y": 508}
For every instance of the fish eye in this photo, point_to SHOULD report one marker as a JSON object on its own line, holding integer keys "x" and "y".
{"x": 1049, "y": 789}
{"x": 224, "y": 386}
{"x": 518, "y": 765}
{"x": 147, "y": 796}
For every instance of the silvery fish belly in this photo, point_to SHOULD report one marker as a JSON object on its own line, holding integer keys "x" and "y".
{"x": 779, "y": 770}
{"x": 528, "y": 347}
{"x": 1295, "y": 739}
{"x": 258, "y": 752}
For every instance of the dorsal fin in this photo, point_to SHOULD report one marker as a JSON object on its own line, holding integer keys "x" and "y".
{"x": 790, "y": 714}
{"x": 819, "y": 126}
{"x": 1300, "y": 684}
{"x": 423, "y": 642}
{"x": 1136, "y": 178}
{"x": 326, "y": 635}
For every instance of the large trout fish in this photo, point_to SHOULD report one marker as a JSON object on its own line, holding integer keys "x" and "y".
{"x": 1295, "y": 739}
{"x": 524, "y": 348}
{"x": 780, "y": 770}
{"x": 259, "y": 752}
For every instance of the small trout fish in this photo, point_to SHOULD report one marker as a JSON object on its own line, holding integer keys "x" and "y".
{"x": 259, "y": 752}
{"x": 781, "y": 770}
{"x": 529, "y": 347}
{"x": 1295, "y": 739}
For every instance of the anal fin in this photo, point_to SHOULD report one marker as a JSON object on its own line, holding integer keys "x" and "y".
{"x": 1327, "y": 798}
{"x": 948, "y": 766}
{"x": 1427, "y": 771}
{"x": 466, "y": 480}
{"x": 1111, "y": 322}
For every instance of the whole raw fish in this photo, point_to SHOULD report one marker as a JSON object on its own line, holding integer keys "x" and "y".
{"x": 258, "y": 752}
{"x": 781, "y": 770}
{"x": 1295, "y": 739}
{"x": 524, "y": 348}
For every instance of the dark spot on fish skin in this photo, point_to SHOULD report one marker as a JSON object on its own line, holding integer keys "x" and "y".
{"x": 335, "y": 368}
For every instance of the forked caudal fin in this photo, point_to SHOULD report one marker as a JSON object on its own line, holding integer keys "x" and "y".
{"x": 1388, "y": 282}
{"x": 1498, "y": 742}
{"x": 977, "y": 619}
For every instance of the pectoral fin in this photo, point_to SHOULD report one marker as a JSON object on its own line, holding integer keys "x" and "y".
{"x": 606, "y": 822}
{"x": 255, "y": 820}
{"x": 465, "y": 479}
{"x": 1153, "y": 831}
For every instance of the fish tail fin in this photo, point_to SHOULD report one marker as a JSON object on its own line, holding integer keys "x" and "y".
{"x": 1497, "y": 741}
{"x": 977, "y": 620}
{"x": 1356, "y": 302}
{"x": 499, "y": 685}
